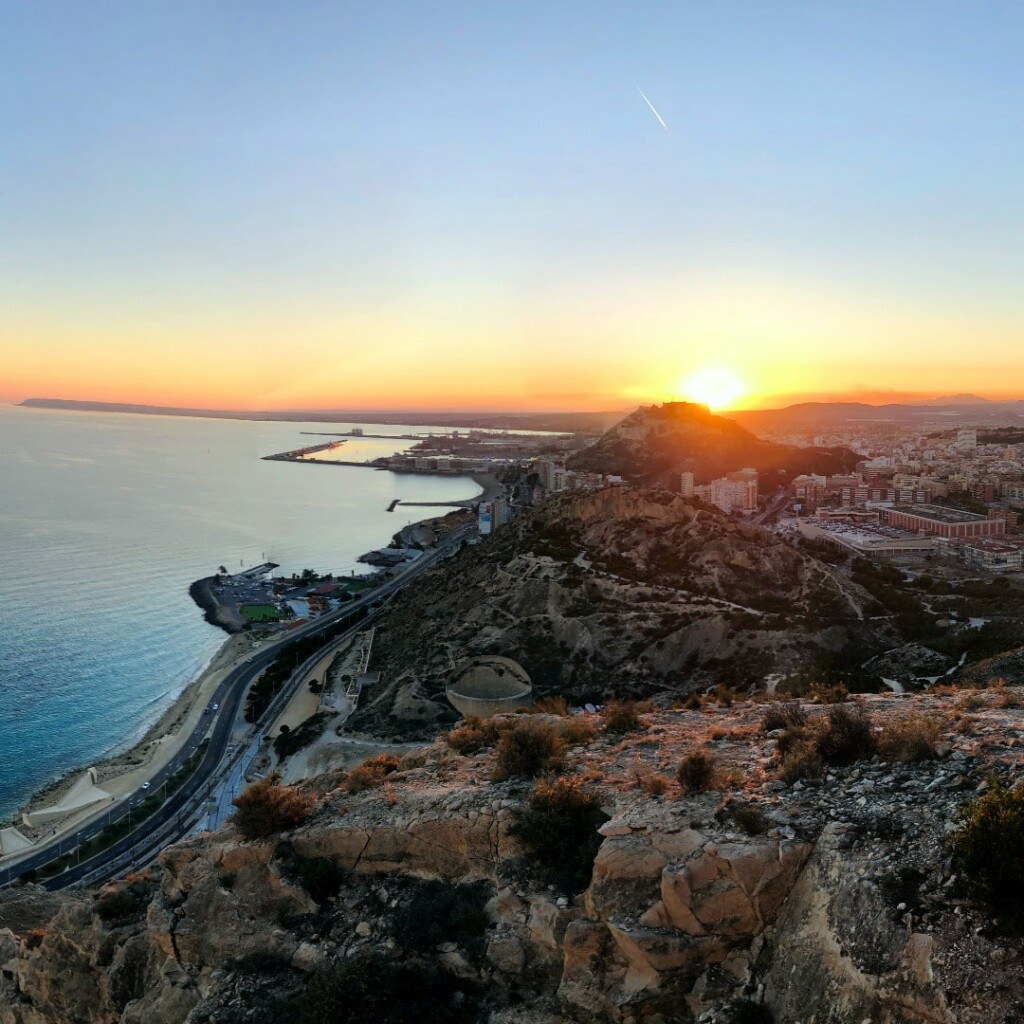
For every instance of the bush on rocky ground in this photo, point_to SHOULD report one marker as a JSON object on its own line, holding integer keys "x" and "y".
{"x": 371, "y": 773}
{"x": 696, "y": 772}
{"x": 783, "y": 716}
{"x": 266, "y": 807}
{"x": 750, "y": 818}
{"x": 578, "y": 731}
{"x": 986, "y": 851}
{"x": 529, "y": 749}
{"x": 621, "y": 716}
{"x": 127, "y": 901}
{"x": 473, "y": 735}
{"x": 558, "y": 827}
{"x": 848, "y": 736}
{"x": 549, "y": 706}
{"x": 908, "y": 738}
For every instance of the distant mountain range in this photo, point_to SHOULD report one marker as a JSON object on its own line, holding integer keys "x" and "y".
{"x": 946, "y": 411}
{"x": 954, "y": 410}
{"x": 656, "y": 443}
{"x": 553, "y": 421}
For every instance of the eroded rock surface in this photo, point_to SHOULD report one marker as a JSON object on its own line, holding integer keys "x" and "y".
{"x": 834, "y": 905}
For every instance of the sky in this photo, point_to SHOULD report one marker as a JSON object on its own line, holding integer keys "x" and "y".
{"x": 264, "y": 205}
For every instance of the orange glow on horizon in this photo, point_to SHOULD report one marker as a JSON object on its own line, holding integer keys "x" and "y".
{"x": 588, "y": 349}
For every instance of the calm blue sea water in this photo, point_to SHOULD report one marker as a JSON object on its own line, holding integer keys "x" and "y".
{"x": 104, "y": 522}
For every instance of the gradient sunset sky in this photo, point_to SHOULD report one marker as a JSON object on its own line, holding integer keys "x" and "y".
{"x": 469, "y": 205}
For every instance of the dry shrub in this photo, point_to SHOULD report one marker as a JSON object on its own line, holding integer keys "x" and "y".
{"x": 621, "y": 717}
{"x": 836, "y": 694}
{"x": 725, "y": 695}
{"x": 266, "y": 807}
{"x": 986, "y": 852}
{"x": 653, "y": 784}
{"x": 474, "y": 734}
{"x": 33, "y": 938}
{"x": 750, "y": 818}
{"x": 692, "y": 703}
{"x": 848, "y": 736}
{"x": 783, "y": 716}
{"x": 577, "y": 731}
{"x": 648, "y": 781}
{"x": 716, "y": 732}
{"x": 910, "y": 737}
{"x": 558, "y": 826}
{"x": 124, "y": 902}
{"x": 529, "y": 749}
{"x": 1004, "y": 696}
{"x": 796, "y": 736}
{"x": 972, "y": 702}
{"x": 696, "y": 772}
{"x": 801, "y": 763}
{"x": 371, "y": 773}
{"x": 550, "y": 706}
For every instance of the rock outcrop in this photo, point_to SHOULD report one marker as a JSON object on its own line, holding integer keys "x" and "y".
{"x": 827, "y": 901}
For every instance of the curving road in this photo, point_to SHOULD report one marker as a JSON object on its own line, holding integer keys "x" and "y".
{"x": 173, "y": 818}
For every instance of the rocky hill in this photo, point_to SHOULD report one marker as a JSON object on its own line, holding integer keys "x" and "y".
{"x": 746, "y": 892}
{"x": 657, "y": 443}
{"x": 615, "y": 593}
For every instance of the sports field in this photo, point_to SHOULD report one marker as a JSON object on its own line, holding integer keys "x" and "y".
{"x": 260, "y": 612}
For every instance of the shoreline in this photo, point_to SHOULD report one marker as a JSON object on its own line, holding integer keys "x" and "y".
{"x": 120, "y": 773}
{"x": 154, "y": 742}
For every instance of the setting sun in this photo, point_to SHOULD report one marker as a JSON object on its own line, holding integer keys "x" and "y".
{"x": 714, "y": 387}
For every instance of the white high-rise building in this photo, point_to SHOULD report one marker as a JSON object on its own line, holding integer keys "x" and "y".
{"x": 735, "y": 492}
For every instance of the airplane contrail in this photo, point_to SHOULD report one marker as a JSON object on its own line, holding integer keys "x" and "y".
{"x": 653, "y": 111}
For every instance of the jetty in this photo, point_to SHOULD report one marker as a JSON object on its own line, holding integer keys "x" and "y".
{"x": 302, "y": 454}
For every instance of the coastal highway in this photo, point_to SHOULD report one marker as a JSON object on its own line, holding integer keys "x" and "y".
{"x": 229, "y": 695}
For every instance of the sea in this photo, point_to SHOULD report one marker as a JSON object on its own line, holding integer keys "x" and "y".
{"x": 105, "y": 520}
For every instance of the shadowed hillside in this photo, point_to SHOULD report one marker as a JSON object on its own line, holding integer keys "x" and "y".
{"x": 659, "y": 442}
{"x": 613, "y": 592}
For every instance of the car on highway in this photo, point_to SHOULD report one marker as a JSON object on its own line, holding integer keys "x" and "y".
{"x": 145, "y": 785}
{"x": 215, "y": 707}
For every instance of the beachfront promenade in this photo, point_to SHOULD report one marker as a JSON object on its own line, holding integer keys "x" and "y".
{"x": 186, "y": 805}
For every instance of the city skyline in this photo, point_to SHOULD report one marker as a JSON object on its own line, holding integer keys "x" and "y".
{"x": 256, "y": 207}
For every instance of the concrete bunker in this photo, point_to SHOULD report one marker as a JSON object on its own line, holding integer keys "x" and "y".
{"x": 489, "y": 685}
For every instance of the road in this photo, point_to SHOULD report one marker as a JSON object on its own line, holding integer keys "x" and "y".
{"x": 174, "y": 817}
{"x": 775, "y": 505}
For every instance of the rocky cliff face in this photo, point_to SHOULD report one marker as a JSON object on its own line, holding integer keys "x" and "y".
{"x": 824, "y": 900}
{"x": 614, "y": 592}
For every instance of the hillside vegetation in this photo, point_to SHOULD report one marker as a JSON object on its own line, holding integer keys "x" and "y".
{"x": 616, "y": 593}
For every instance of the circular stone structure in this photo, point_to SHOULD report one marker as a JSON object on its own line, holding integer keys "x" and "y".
{"x": 489, "y": 685}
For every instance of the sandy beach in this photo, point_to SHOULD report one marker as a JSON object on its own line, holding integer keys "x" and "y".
{"x": 124, "y": 772}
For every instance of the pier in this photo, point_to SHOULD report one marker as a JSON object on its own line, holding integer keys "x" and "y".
{"x": 302, "y": 454}
{"x": 379, "y": 437}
